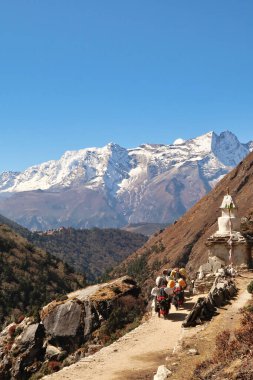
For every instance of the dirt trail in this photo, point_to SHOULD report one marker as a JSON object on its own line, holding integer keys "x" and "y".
{"x": 135, "y": 355}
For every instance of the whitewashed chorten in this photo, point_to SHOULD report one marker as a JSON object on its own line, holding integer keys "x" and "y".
{"x": 227, "y": 243}
{"x": 228, "y": 222}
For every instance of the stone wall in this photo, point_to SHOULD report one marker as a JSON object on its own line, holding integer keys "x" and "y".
{"x": 223, "y": 289}
{"x": 219, "y": 246}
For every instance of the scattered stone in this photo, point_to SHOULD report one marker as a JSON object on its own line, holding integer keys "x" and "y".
{"x": 193, "y": 351}
{"x": 204, "y": 284}
{"x": 52, "y": 352}
{"x": 162, "y": 373}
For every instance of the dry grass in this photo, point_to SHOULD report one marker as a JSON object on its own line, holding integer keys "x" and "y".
{"x": 233, "y": 355}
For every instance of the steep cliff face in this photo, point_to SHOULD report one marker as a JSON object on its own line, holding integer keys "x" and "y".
{"x": 183, "y": 243}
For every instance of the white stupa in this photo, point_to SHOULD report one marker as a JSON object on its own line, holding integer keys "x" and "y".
{"x": 228, "y": 222}
{"x": 227, "y": 243}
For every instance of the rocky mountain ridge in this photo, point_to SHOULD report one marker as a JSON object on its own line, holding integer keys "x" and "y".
{"x": 113, "y": 186}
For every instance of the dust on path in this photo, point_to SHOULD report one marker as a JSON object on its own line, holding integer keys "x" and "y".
{"x": 134, "y": 356}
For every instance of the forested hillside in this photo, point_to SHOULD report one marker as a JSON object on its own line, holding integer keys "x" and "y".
{"x": 30, "y": 277}
{"x": 90, "y": 251}
{"x": 15, "y": 226}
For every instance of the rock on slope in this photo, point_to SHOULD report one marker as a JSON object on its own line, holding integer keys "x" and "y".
{"x": 113, "y": 186}
{"x": 183, "y": 243}
{"x": 75, "y": 323}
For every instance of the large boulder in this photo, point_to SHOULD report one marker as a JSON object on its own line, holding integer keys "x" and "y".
{"x": 21, "y": 346}
{"x": 64, "y": 319}
{"x": 71, "y": 321}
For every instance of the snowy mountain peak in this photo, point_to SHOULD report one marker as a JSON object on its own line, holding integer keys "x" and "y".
{"x": 117, "y": 169}
{"x": 111, "y": 185}
{"x": 228, "y": 149}
{"x": 178, "y": 141}
{"x": 201, "y": 144}
{"x": 113, "y": 146}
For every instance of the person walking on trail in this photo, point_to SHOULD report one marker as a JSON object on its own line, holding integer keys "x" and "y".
{"x": 178, "y": 298}
{"x": 183, "y": 274}
{"x": 163, "y": 279}
{"x": 163, "y": 296}
{"x": 175, "y": 274}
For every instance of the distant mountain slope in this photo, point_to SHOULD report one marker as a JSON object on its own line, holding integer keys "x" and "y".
{"x": 14, "y": 226}
{"x": 113, "y": 186}
{"x": 147, "y": 229}
{"x": 29, "y": 277}
{"x": 91, "y": 252}
{"x": 183, "y": 243}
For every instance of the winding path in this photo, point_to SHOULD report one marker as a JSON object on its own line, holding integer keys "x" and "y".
{"x": 133, "y": 356}
{"x": 137, "y": 355}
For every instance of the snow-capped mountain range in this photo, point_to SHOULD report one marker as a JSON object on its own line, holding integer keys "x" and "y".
{"x": 113, "y": 186}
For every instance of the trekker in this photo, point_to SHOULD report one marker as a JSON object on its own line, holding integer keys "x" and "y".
{"x": 162, "y": 298}
{"x": 175, "y": 274}
{"x": 178, "y": 298}
{"x": 163, "y": 279}
{"x": 183, "y": 273}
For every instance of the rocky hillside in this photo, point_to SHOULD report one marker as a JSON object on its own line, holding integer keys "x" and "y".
{"x": 183, "y": 243}
{"x": 113, "y": 186}
{"x": 29, "y": 277}
{"x": 91, "y": 252}
{"x": 70, "y": 329}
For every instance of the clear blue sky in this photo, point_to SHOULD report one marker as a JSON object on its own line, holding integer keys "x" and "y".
{"x": 79, "y": 73}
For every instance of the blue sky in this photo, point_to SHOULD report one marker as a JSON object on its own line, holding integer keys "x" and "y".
{"x": 75, "y": 74}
